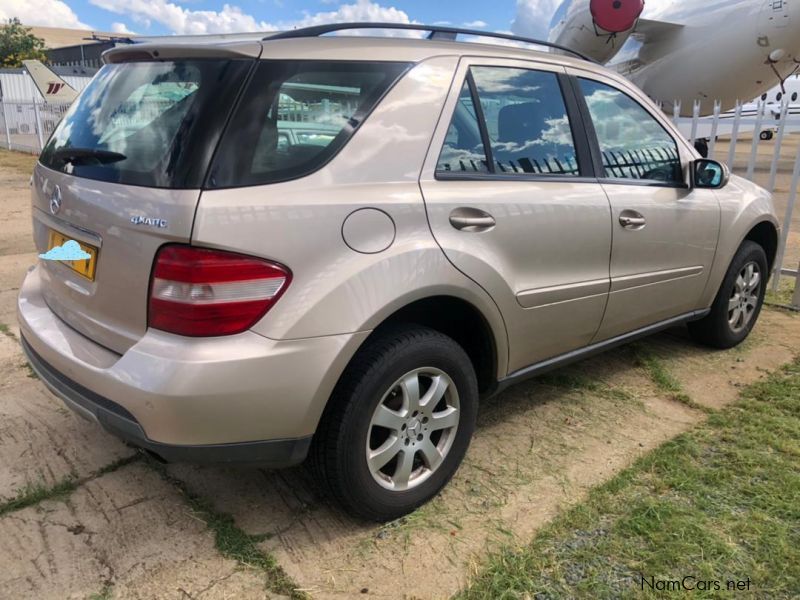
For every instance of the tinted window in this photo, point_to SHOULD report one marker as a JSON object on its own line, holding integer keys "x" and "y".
{"x": 527, "y": 121}
{"x": 633, "y": 144}
{"x": 463, "y": 149}
{"x": 295, "y": 116}
{"x": 147, "y": 123}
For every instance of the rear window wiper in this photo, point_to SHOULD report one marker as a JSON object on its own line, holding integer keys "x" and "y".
{"x": 84, "y": 155}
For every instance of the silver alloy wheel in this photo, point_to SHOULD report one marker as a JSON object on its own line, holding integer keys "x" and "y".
{"x": 744, "y": 297}
{"x": 412, "y": 429}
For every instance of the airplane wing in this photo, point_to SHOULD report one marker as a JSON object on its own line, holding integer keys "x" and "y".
{"x": 649, "y": 29}
{"x": 51, "y": 86}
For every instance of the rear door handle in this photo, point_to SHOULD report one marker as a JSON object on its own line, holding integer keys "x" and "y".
{"x": 471, "y": 220}
{"x": 630, "y": 219}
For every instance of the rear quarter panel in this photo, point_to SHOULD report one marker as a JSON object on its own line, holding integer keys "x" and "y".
{"x": 298, "y": 223}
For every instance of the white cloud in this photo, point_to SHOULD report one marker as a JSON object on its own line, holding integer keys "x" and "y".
{"x": 475, "y": 24}
{"x": 183, "y": 20}
{"x": 533, "y": 17}
{"x": 362, "y": 10}
{"x": 118, "y": 27}
{"x": 47, "y": 13}
{"x": 231, "y": 19}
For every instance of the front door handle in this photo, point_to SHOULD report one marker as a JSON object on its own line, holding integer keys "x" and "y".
{"x": 471, "y": 220}
{"x": 630, "y": 219}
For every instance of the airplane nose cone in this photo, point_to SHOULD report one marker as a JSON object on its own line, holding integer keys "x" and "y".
{"x": 616, "y": 16}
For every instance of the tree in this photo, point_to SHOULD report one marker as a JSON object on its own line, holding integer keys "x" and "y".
{"x": 17, "y": 43}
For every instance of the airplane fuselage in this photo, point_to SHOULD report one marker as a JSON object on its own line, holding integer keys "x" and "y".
{"x": 726, "y": 50}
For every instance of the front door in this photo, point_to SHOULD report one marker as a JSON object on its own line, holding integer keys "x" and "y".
{"x": 664, "y": 233}
{"x": 510, "y": 202}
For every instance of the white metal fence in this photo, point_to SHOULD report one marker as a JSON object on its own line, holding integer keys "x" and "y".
{"x": 760, "y": 142}
{"x": 27, "y": 125}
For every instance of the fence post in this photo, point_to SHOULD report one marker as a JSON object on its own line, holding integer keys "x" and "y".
{"x": 5, "y": 122}
{"x": 787, "y": 224}
{"x": 712, "y": 139}
{"x": 773, "y": 169}
{"x": 751, "y": 165}
{"x": 734, "y": 135}
{"x": 695, "y": 119}
{"x": 38, "y": 125}
{"x": 796, "y": 295}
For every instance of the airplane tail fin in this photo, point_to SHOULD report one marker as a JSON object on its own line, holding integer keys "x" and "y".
{"x": 52, "y": 87}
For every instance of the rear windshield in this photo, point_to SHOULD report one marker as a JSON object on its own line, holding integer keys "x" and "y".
{"x": 147, "y": 123}
{"x": 295, "y": 116}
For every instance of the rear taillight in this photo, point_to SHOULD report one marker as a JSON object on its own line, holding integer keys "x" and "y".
{"x": 203, "y": 292}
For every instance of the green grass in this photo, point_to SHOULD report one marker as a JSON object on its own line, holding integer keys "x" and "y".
{"x": 568, "y": 380}
{"x": 720, "y": 503}
{"x": 783, "y": 297}
{"x": 662, "y": 378}
{"x": 231, "y": 541}
{"x": 27, "y": 367}
{"x": 6, "y": 331}
{"x": 105, "y": 594}
{"x": 21, "y": 162}
{"x": 32, "y": 494}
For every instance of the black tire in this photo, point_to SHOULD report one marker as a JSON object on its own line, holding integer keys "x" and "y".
{"x": 339, "y": 450}
{"x": 766, "y": 135}
{"x": 715, "y": 329}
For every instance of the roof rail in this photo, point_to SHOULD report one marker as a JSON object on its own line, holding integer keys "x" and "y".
{"x": 436, "y": 33}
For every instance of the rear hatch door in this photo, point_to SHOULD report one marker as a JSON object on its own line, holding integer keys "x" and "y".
{"x": 122, "y": 175}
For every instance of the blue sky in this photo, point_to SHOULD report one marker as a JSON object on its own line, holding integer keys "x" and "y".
{"x": 156, "y": 17}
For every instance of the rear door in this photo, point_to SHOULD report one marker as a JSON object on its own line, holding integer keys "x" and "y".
{"x": 121, "y": 176}
{"x": 511, "y": 200}
{"x": 664, "y": 233}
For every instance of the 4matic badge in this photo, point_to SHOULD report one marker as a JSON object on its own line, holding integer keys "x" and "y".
{"x": 149, "y": 222}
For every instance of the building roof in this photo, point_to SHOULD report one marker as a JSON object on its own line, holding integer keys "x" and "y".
{"x": 58, "y": 37}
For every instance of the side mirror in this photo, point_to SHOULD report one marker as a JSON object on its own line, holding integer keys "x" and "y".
{"x": 710, "y": 174}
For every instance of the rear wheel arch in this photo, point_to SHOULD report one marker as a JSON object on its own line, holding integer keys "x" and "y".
{"x": 460, "y": 320}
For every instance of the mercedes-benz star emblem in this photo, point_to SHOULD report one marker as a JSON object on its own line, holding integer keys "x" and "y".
{"x": 55, "y": 200}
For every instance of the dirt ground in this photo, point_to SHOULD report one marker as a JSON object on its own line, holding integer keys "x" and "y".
{"x": 122, "y": 529}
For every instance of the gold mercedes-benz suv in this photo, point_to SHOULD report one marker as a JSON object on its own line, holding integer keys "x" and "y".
{"x": 332, "y": 247}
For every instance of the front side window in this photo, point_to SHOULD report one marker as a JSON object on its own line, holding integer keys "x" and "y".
{"x": 632, "y": 143}
{"x": 295, "y": 116}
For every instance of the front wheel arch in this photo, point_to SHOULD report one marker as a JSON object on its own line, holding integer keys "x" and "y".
{"x": 765, "y": 234}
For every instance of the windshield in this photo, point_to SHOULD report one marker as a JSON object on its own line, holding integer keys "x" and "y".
{"x": 147, "y": 123}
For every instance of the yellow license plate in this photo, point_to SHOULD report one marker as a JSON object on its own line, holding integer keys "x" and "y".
{"x": 85, "y": 267}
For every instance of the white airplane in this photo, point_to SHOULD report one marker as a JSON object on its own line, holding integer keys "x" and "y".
{"x": 51, "y": 86}
{"x": 775, "y": 107}
{"x": 725, "y": 50}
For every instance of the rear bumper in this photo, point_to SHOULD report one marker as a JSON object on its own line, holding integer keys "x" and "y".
{"x": 242, "y": 398}
{"x": 118, "y": 421}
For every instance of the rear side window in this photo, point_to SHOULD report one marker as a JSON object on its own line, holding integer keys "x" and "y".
{"x": 632, "y": 143}
{"x": 526, "y": 120}
{"x": 463, "y": 149}
{"x": 147, "y": 123}
{"x": 295, "y": 116}
{"x": 527, "y": 128}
